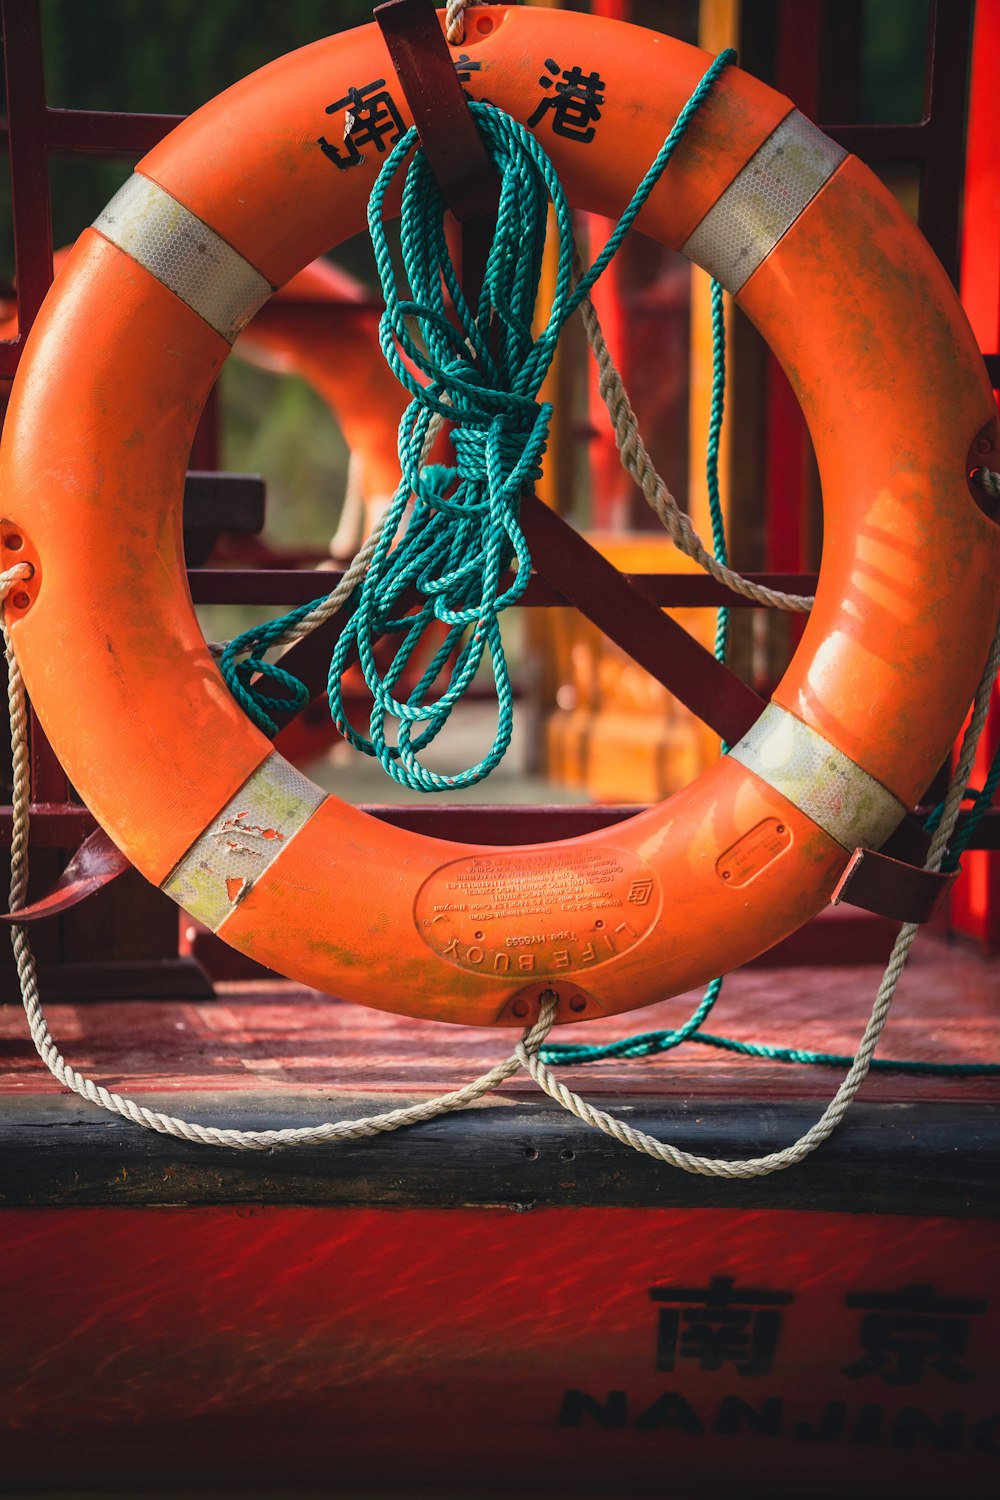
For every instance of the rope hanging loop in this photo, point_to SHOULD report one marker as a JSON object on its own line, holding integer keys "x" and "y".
{"x": 454, "y": 22}
{"x": 453, "y": 531}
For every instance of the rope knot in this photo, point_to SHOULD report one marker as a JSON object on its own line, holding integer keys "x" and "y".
{"x": 11, "y": 577}
{"x": 505, "y": 457}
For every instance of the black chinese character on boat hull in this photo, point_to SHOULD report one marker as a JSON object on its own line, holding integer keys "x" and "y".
{"x": 717, "y": 1324}
{"x": 902, "y": 1332}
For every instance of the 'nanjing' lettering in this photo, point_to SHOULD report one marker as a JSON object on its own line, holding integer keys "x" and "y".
{"x": 834, "y": 1424}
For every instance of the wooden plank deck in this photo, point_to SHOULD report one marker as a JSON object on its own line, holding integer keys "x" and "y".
{"x": 270, "y": 1054}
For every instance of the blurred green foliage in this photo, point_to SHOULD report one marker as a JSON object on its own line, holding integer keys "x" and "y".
{"x": 894, "y": 39}
{"x": 172, "y": 56}
{"x": 166, "y": 58}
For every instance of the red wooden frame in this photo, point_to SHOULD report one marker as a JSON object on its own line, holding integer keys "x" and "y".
{"x": 975, "y": 907}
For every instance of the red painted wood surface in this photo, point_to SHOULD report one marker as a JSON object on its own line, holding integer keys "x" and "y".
{"x": 580, "y": 1350}
{"x": 275, "y": 1038}
{"x": 252, "y": 1345}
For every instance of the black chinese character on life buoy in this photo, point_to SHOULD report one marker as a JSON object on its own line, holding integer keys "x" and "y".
{"x": 575, "y": 101}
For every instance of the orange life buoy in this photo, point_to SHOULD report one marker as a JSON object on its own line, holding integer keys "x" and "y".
{"x": 234, "y": 202}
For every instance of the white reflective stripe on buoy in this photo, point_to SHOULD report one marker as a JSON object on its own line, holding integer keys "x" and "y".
{"x": 183, "y": 253}
{"x": 820, "y": 780}
{"x": 762, "y": 203}
{"x": 243, "y": 841}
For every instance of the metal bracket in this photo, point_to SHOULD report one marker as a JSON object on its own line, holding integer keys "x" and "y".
{"x": 448, "y": 133}
{"x": 891, "y": 887}
{"x": 94, "y": 865}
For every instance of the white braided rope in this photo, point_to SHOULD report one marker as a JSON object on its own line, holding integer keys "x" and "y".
{"x": 987, "y": 480}
{"x": 525, "y": 1054}
{"x": 777, "y": 1161}
{"x": 130, "y": 1109}
{"x": 351, "y": 527}
{"x": 637, "y": 462}
{"x": 454, "y": 21}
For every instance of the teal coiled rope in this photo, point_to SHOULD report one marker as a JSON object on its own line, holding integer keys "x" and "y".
{"x": 482, "y": 375}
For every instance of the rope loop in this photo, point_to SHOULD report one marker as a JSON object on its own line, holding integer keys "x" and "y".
{"x": 988, "y": 480}
{"x": 454, "y": 21}
{"x": 245, "y": 678}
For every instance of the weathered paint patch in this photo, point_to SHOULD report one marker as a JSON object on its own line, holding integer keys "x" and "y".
{"x": 242, "y": 841}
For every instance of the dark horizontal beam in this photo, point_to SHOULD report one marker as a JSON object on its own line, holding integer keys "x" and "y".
{"x": 91, "y": 132}
{"x": 54, "y": 825}
{"x": 289, "y": 586}
{"x": 64, "y": 826}
{"x": 224, "y": 502}
{"x": 885, "y": 142}
{"x": 105, "y": 133}
{"x": 937, "y": 1158}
